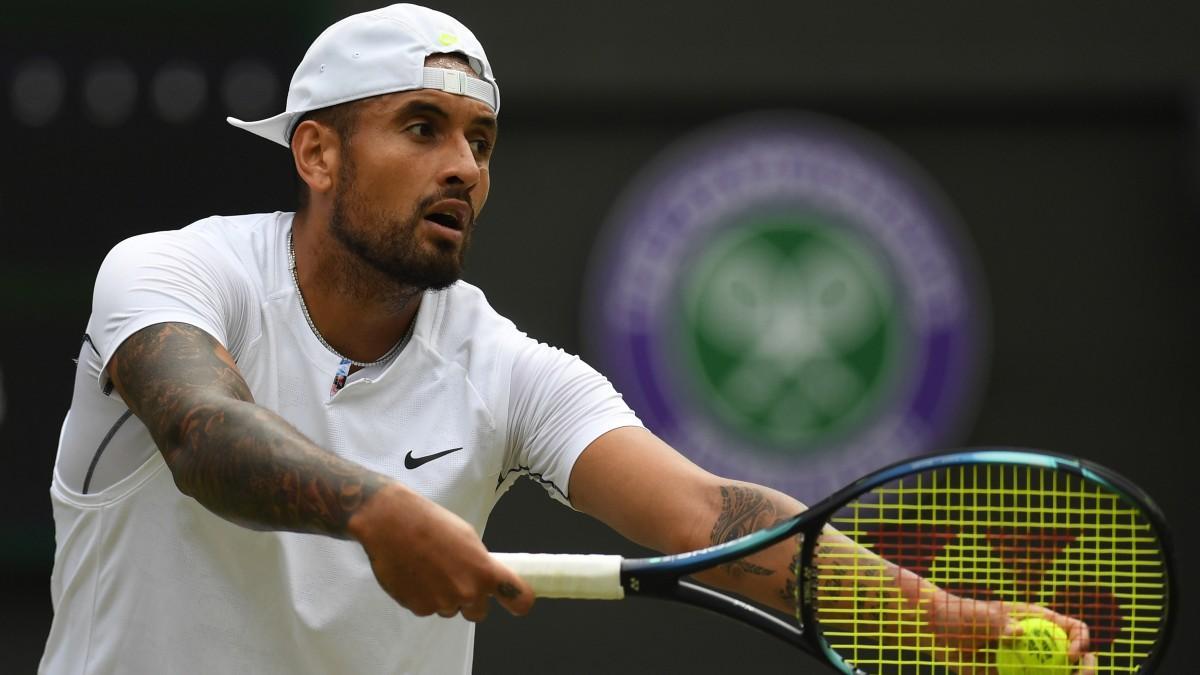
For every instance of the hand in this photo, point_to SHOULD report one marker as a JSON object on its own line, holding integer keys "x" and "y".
{"x": 967, "y": 626}
{"x": 431, "y": 561}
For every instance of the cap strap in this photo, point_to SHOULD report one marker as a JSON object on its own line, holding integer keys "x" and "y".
{"x": 458, "y": 82}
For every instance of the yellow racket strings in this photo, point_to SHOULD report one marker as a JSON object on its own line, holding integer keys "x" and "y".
{"x": 1024, "y": 537}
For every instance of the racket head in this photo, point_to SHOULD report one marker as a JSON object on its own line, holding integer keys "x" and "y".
{"x": 1017, "y": 526}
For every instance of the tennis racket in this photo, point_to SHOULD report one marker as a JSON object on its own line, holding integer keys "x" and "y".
{"x": 995, "y": 527}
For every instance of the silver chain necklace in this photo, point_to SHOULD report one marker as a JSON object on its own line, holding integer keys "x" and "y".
{"x": 313, "y": 327}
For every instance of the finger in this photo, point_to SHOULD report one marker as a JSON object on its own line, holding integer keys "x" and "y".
{"x": 476, "y": 611}
{"x": 1084, "y": 638}
{"x": 1087, "y": 665}
{"x": 1080, "y": 641}
{"x": 1006, "y": 620}
{"x": 447, "y": 613}
{"x": 513, "y": 593}
{"x": 1078, "y": 635}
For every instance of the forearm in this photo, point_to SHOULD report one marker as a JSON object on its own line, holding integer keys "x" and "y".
{"x": 247, "y": 465}
{"x": 769, "y": 576}
{"x": 855, "y": 585}
{"x": 858, "y": 591}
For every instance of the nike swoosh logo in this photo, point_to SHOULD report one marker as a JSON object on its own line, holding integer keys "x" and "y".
{"x": 411, "y": 462}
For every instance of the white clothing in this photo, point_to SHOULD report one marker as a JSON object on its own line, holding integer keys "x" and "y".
{"x": 147, "y": 580}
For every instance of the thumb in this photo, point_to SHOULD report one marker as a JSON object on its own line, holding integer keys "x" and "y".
{"x": 1012, "y": 630}
{"x": 512, "y": 592}
{"x": 1005, "y": 622}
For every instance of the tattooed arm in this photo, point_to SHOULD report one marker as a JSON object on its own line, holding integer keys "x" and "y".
{"x": 646, "y": 491}
{"x": 239, "y": 460}
{"x": 248, "y": 465}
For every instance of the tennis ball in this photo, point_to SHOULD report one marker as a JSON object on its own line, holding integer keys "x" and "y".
{"x": 1041, "y": 650}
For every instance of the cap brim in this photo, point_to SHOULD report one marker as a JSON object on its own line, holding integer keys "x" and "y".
{"x": 273, "y": 128}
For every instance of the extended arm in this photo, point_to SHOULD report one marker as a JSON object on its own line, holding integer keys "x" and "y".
{"x": 644, "y": 489}
{"x": 248, "y": 465}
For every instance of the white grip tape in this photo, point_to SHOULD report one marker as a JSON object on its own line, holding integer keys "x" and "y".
{"x": 567, "y": 575}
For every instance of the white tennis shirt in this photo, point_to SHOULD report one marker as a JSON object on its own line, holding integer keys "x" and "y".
{"x": 147, "y": 580}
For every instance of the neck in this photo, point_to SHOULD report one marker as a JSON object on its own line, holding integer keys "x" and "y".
{"x": 357, "y": 309}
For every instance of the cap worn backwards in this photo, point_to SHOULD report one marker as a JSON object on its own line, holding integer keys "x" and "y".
{"x": 379, "y": 52}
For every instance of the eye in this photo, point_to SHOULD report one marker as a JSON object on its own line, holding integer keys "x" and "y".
{"x": 481, "y": 147}
{"x": 423, "y": 129}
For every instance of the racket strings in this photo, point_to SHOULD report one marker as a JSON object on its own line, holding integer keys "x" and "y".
{"x": 1021, "y": 537}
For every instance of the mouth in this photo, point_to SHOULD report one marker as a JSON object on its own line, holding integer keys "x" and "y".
{"x": 452, "y": 214}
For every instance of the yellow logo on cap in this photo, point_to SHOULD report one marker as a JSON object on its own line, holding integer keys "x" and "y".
{"x": 446, "y": 39}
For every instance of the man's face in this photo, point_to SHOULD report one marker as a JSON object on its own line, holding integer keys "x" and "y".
{"x": 413, "y": 177}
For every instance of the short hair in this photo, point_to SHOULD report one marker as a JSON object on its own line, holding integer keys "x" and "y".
{"x": 342, "y": 118}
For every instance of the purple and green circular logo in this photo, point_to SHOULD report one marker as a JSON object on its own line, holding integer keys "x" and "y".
{"x": 787, "y": 300}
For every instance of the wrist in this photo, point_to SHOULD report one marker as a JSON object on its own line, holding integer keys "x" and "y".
{"x": 375, "y": 510}
{"x": 916, "y": 591}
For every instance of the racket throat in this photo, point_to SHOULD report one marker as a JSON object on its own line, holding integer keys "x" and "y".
{"x": 694, "y": 594}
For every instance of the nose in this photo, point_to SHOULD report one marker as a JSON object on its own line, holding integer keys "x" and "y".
{"x": 461, "y": 166}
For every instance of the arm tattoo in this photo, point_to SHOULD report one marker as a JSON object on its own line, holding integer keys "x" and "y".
{"x": 790, "y": 593}
{"x": 241, "y": 461}
{"x": 743, "y": 510}
{"x": 860, "y": 588}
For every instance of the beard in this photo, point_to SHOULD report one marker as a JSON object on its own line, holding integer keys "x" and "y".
{"x": 389, "y": 243}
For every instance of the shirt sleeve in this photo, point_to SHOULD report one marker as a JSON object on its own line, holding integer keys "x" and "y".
{"x": 559, "y": 405}
{"x": 174, "y": 276}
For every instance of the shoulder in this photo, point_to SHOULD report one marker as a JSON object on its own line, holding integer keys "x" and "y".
{"x": 213, "y": 272}
{"x": 238, "y": 249}
{"x": 215, "y": 234}
{"x": 198, "y": 275}
{"x": 255, "y": 240}
{"x": 461, "y": 326}
{"x": 462, "y": 313}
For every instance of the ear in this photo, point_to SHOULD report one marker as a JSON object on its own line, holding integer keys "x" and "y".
{"x": 316, "y": 150}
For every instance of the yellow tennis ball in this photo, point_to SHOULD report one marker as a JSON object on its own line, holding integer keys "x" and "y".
{"x": 1041, "y": 650}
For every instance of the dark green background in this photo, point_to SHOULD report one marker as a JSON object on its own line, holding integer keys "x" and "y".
{"x": 1064, "y": 133}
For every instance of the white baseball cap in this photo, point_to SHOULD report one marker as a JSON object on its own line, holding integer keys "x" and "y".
{"x": 379, "y": 52}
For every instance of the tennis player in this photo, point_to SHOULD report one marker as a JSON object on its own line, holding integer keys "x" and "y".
{"x": 288, "y": 429}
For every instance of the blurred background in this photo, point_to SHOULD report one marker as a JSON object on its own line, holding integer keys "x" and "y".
{"x": 1061, "y": 136}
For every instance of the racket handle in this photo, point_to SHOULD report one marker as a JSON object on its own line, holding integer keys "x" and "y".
{"x": 568, "y": 575}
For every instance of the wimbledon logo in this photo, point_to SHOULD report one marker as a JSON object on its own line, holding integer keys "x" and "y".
{"x": 784, "y": 299}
